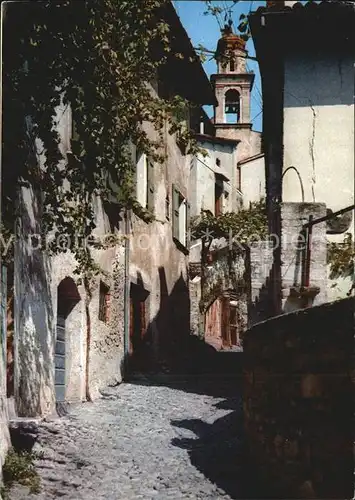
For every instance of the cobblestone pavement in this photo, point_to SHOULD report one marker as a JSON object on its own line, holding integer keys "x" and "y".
{"x": 144, "y": 441}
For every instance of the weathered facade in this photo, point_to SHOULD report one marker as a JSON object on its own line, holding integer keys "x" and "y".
{"x": 308, "y": 103}
{"x": 72, "y": 338}
{"x": 64, "y": 349}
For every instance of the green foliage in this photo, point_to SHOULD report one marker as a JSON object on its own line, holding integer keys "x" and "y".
{"x": 341, "y": 257}
{"x": 19, "y": 468}
{"x": 222, "y": 14}
{"x": 102, "y": 58}
{"x": 245, "y": 226}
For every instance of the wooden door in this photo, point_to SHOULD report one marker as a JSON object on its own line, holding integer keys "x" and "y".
{"x": 59, "y": 361}
{"x": 233, "y": 326}
{"x": 225, "y": 322}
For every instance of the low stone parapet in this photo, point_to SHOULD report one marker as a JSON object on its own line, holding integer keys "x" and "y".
{"x": 298, "y": 402}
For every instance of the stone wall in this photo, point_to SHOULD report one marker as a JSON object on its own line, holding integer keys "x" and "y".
{"x": 225, "y": 272}
{"x": 298, "y": 402}
{"x": 225, "y": 276}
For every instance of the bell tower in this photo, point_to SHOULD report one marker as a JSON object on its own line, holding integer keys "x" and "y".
{"x": 232, "y": 85}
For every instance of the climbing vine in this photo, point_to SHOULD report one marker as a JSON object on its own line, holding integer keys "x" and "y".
{"x": 245, "y": 226}
{"x": 101, "y": 58}
{"x": 341, "y": 258}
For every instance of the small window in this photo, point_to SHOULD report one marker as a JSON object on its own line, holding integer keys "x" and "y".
{"x": 145, "y": 181}
{"x": 167, "y": 208}
{"x": 231, "y": 65}
{"x": 182, "y": 220}
{"x": 218, "y": 162}
{"x": 181, "y": 216}
{"x": 104, "y": 303}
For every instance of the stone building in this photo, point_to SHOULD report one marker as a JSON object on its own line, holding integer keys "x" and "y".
{"x": 71, "y": 341}
{"x": 308, "y": 85}
{"x": 158, "y": 254}
{"x": 233, "y": 85}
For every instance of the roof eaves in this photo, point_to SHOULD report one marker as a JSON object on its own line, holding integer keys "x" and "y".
{"x": 251, "y": 158}
{"x": 218, "y": 140}
{"x": 203, "y": 83}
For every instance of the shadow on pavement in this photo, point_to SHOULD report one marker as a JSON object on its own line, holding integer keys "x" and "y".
{"x": 218, "y": 448}
{"x": 218, "y": 451}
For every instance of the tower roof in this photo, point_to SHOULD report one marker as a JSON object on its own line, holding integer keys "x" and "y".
{"x": 229, "y": 41}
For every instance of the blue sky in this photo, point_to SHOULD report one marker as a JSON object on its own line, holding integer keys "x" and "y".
{"x": 204, "y": 30}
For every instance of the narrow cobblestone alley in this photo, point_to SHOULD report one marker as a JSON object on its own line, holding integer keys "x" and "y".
{"x": 177, "y": 440}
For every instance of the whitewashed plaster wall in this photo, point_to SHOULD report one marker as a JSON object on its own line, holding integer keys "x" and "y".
{"x": 252, "y": 175}
{"x": 319, "y": 137}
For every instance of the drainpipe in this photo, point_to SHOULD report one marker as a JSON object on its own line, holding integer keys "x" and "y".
{"x": 126, "y": 306}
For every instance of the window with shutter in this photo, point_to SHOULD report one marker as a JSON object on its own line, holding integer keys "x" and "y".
{"x": 142, "y": 178}
{"x": 150, "y": 186}
{"x": 181, "y": 218}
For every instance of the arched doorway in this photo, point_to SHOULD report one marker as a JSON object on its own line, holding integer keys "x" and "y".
{"x": 68, "y": 297}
